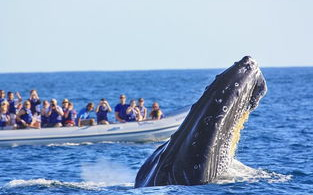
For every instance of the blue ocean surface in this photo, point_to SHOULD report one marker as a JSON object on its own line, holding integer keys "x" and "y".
{"x": 276, "y": 146}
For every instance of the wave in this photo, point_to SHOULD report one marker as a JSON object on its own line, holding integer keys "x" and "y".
{"x": 20, "y": 183}
{"x": 69, "y": 144}
{"x": 80, "y": 143}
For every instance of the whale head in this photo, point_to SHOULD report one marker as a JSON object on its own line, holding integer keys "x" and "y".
{"x": 205, "y": 143}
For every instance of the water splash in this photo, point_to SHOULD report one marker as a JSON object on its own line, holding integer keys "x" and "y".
{"x": 238, "y": 172}
{"x": 108, "y": 173}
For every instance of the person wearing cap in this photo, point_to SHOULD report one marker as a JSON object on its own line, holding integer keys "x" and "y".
{"x": 65, "y": 103}
{"x": 102, "y": 112}
{"x": 142, "y": 109}
{"x": 156, "y": 113}
{"x": 55, "y": 114}
{"x": 120, "y": 110}
{"x": 86, "y": 116}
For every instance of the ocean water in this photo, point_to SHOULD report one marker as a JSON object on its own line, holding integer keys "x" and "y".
{"x": 274, "y": 156}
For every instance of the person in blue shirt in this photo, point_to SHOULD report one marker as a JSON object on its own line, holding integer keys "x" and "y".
{"x": 13, "y": 103}
{"x": 120, "y": 110}
{"x": 55, "y": 114}
{"x": 86, "y": 116}
{"x": 35, "y": 103}
{"x": 102, "y": 112}
{"x": 24, "y": 117}
{"x": 4, "y": 115}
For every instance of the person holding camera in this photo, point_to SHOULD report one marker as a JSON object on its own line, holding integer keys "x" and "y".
{"x": 102, "y": 112}
{"x": 55, "y": 114}
{"x": 133, "y": 112}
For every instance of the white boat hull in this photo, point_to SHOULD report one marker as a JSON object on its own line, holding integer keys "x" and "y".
{"x": 145, "y": 131}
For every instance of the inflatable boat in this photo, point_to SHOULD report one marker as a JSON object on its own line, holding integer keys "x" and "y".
{"x": 144, "y": 131}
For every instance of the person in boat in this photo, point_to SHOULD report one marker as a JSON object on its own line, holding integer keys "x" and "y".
{"x": 12, "y": 106}
{"x": 65, "y": 104}
{"x": 156, "y": 113}
{"x": 24, "y": 117}
{"x": 2, "y": 96}
{"x": 142, "y": 108}
{"x": 55, "y": 114}
{"x": 44, "y": 113}
{"x": 86, "y": 116}
{"x": 70, "y": 115}
{"x": 132, "y": 112}
{"x": 35, "y": 102}
{"x": 120, "y": 110}
{"x": 4, "y": 116}
{"x": 102, "y": 112}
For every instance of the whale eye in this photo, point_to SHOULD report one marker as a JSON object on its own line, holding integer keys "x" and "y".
{"x": 236, "y": 84}
{"x": 196, "y": 167}
{"x": 225, "y": 108}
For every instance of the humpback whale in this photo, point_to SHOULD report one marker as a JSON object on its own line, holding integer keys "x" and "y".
{"x": 205, "y": 143}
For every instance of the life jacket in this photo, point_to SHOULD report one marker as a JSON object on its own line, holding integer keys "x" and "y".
{"x": 35, "y": 106}
{"x": 71, "y": 116}
{"x": 55, "y": 117}
{"x": 131, "y": 116}
{"x": 27, "y": 117}
{"x": 12, "y": 108}
{"x": 156, "y": 113}
{"x": 45, "y": 119}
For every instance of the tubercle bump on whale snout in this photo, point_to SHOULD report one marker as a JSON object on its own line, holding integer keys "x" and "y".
{"x": 248, "y": 62}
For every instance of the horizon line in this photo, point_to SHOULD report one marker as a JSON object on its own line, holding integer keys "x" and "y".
{"x": 143, "y": 70}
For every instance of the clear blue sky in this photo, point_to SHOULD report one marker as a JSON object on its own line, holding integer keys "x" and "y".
{"x": 62, "y": 35}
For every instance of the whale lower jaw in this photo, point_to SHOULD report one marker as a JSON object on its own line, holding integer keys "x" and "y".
{"x": 228, "y": 149}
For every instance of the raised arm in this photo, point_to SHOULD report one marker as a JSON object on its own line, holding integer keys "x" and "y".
{"x": 19, "y": 97}
{"x": 109, "y": 107}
